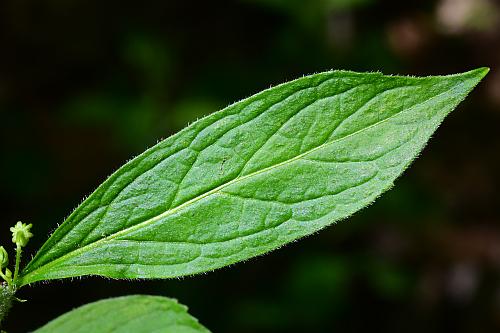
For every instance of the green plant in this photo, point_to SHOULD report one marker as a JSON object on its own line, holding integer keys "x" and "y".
{"x": 243, "y": 181}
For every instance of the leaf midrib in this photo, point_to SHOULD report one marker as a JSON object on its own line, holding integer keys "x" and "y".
{"x": 217, "y": 189}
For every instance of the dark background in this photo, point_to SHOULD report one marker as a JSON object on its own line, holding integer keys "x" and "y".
{"x": 85, "y": 85}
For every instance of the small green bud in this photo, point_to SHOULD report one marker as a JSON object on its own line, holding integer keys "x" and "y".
{"x": 21, "y": 233}
{"x": 4, "y": 257}
{"x": 8, "y": 273}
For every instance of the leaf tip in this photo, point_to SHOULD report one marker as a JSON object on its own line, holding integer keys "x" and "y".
{"x": 478, "y": 73}
{"x": 471, "y": 79}
{"x": 482, "y": 71}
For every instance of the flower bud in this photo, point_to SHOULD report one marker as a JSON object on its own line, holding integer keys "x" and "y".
{"x": 21, "y": 233}
{"x": 4, "y": 257}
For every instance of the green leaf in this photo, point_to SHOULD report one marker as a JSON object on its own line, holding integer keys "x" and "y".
{"x": 263, "y": 172}
{"x": 138, "y": 314}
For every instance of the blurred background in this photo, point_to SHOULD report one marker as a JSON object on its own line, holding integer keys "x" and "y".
{"x": 86, "y": 85}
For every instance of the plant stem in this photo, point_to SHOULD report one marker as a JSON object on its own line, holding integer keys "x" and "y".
{"x": 18, "y": 261}
{"x": 6, "y": 297}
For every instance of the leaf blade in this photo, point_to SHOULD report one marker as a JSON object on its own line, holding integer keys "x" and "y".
{"x": 172, "y": 210}
{"x": 137, "y": 313}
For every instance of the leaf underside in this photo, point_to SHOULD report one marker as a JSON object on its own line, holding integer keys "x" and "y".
{"x": 262, "y": 172}
{"x": 138, "y": 314}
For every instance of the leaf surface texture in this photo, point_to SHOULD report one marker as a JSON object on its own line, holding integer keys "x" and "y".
{"x": 138, "y": 314}
{"x": 262, "y": 172}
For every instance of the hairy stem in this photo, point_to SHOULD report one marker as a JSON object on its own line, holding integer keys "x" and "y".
{"x": 6, "y": 297}
{"x": 19, "y": 250}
